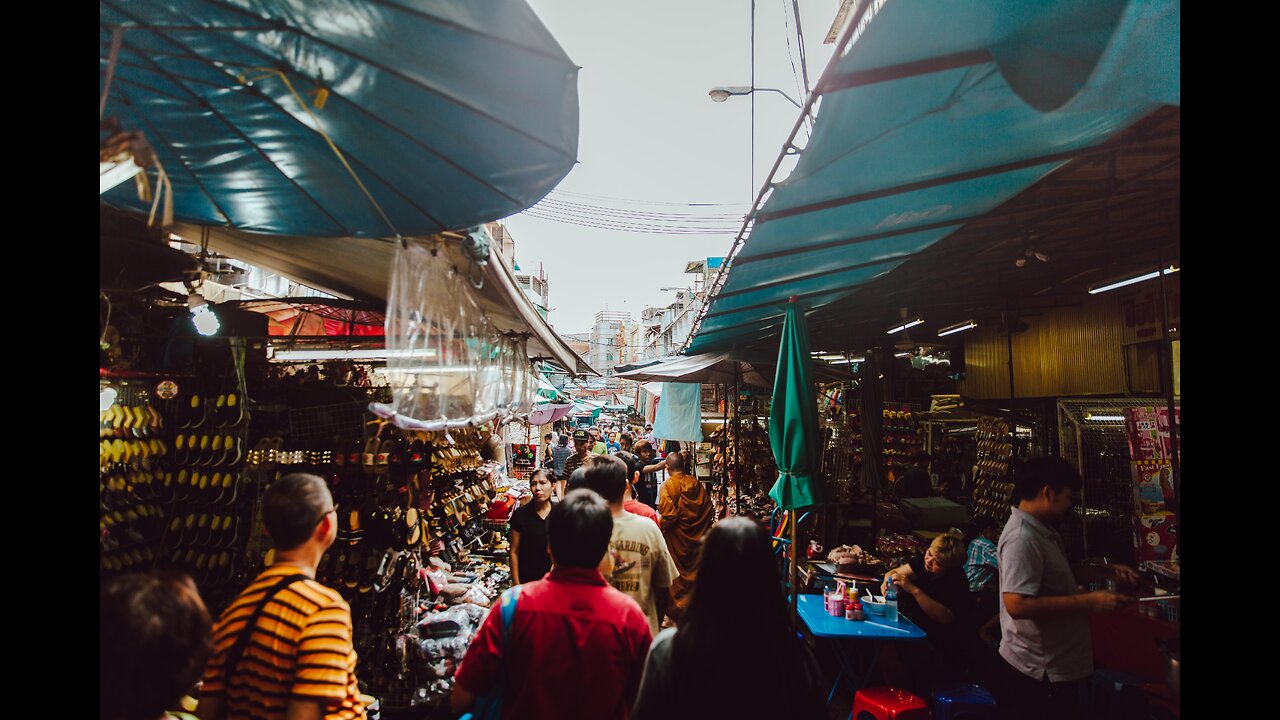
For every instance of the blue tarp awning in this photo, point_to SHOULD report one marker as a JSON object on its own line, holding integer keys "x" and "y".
{"x": 451, "y": 113}
{"x": 939, "y": 113}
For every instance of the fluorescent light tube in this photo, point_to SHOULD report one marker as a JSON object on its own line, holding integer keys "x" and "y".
{"x": 904, "y": 326}
{"x": 1130, "y": 281}
{"x": 359, "y": 354}
{"x": 958, "y": 327}
{"x": 1091, "y": 417}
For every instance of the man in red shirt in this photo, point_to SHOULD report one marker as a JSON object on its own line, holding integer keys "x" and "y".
{"x": 576, "y": 646}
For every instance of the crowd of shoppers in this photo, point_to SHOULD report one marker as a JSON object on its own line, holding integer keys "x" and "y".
{"x": 594, "y": 580}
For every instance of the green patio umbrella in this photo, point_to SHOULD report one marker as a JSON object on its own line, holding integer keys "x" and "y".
{"x": 793, "y": 429}
{"x": 793, "y": 419}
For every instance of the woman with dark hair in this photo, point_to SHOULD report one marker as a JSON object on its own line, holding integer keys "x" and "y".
{"x": 704, "y": 667}
{"x": 529, "y": 558}
{"x": 685, "y": 515}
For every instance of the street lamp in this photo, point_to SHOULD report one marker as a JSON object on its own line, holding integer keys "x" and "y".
{"x": 720, "y": 94}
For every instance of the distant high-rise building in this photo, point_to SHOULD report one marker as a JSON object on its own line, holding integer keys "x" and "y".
{"x": 608, "y": 343}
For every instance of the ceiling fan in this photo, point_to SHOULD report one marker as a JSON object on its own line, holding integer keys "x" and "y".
{"x": 906, "y": 344}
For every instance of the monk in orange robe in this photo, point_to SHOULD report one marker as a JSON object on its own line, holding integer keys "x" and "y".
{"x": 686, "y": 514}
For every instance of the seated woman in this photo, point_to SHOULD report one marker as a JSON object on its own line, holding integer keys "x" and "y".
{"x": 933, "y": 593}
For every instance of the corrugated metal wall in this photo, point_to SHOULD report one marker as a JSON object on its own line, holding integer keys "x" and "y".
{"x": 1066, "y": 351}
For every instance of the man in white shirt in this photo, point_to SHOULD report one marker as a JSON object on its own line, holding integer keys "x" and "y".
{"x": 644, "y": 569}
{"x": 1044, "y": 618}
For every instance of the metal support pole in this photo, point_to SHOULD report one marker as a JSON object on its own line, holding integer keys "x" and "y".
{"x": 1084, "y": 500}
{"x": 737, "y": 437}
{"x": 795, "y": 555}
{"x": 724, "y": 451}
{"x": 1168, "y": 384}
{"x": 1009, "y": 322}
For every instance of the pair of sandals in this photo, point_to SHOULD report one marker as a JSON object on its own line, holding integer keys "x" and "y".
{"x": 224, "y": 411}
{"x": 134, "y": 453}
{"x": 207, "y": 531}
{"x": 130, "y": 421}
{"x": 202, "y": 488}
{"x": 208, "y": 569}
{"x": 136, "y": 518}
{"x": 207, "y": 450}
{"x": 133, "y": 560}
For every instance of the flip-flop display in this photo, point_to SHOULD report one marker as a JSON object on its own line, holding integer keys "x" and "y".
{"x": 132, "y": 484}
{"x": 171, "y": 480}
{"x": 181, "y": 485}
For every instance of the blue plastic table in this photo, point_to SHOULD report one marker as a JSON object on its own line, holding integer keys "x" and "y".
{"x": 875, "y": 628}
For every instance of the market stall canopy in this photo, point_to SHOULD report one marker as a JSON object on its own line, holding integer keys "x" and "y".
{"x": 450, "y": 113}
{"x": 317, "y": 317}
{"x": 546, "y": 413}
{"x": 548, "y": 392}
{"x": 719, "y": 368}
{"x": 637, "y": 365}
{"x": 939, "y": 113}
{"x": 361, "y": 268}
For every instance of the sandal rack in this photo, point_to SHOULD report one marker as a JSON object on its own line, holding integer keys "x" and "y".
{"x": 992, "y": 486}
{"x": 208, "y": 492}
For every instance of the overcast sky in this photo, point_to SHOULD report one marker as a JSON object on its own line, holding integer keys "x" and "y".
{"x": 649, "y": 132}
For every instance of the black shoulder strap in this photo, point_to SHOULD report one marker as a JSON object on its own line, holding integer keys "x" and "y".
{"x": 237, "y": 650}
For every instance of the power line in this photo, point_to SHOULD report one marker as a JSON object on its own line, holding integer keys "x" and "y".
{"x": 558, "y": 191}
{"x": 638, "y": 214}
{"x": 647, "y": 228}
{"x": 630, "y": 221}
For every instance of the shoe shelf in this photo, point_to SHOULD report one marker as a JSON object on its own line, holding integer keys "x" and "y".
{"x": 408, "y": 503}
{"x": 208, "y": 491}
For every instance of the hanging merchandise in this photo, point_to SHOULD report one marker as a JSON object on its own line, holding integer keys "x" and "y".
{"x": 132, "y": 453}
{"x": 1155, "y": 522}
{"x": 992, "y": 484}
{"x": 901, "y": 437}
{"x": 752, "y": 468}
{"x": 680, "y": 413}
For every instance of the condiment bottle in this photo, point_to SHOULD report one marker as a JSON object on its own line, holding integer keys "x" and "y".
{"x": 856, "y": 612}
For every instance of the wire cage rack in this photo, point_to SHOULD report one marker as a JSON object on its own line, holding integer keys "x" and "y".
{"x": 1091, "y": 436}
{"x": 325, "y": 422}
{"x": 838, "y": 429}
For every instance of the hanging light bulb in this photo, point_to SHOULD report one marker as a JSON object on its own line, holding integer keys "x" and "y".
{"x": 106, "y": 398}
{"x": 202, "y": 314}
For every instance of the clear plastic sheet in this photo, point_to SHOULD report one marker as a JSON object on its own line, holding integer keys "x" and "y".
{"x": 447, "y": 366}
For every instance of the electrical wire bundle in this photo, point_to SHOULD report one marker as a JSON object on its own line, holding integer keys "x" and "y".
{"x": 591, "y": 211}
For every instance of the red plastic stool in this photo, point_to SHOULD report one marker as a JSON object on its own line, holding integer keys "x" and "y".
{"x": 886, "y": 703}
